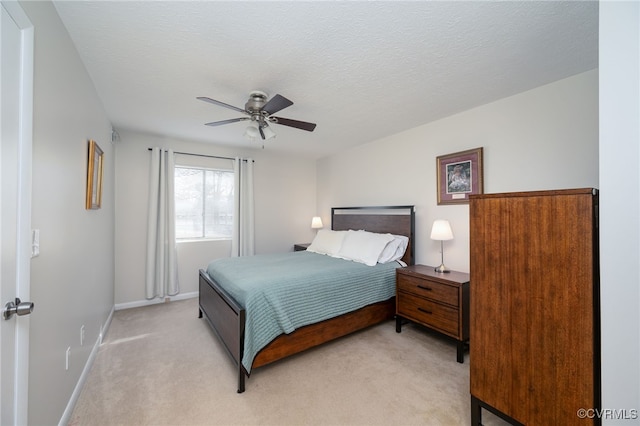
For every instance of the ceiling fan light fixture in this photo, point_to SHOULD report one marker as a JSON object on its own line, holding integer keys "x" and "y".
{"x": 268, "y": 133}
{"x": 252, "y": 133}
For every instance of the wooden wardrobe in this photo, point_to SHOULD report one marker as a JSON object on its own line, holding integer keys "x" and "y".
{"x": 535, "y": 309}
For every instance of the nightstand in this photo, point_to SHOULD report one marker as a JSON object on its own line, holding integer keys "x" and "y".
{"x": 301, "y": 247}
{"x": 439, "y": 301}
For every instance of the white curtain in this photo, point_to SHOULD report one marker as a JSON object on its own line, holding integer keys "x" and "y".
{"x": 162, "y": 263}
{"x": 242, "y": 243}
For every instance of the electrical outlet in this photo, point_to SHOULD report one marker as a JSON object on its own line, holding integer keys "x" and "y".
{"x": 35, "y": 242}
{"x": 67, "y": 356}
{"x": 82, "y": 335}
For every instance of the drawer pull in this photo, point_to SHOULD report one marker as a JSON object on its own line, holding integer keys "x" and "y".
{"x": 425, "y": 311}
{"x": 425, "y": 288}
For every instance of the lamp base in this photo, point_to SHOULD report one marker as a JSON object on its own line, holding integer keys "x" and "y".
{"x": 442, "y": 269}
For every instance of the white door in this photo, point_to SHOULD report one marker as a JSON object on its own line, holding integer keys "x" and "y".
{"x": 16, "y": 85}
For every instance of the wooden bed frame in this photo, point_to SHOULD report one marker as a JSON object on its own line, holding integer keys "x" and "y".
{"x": 227, "y": 318}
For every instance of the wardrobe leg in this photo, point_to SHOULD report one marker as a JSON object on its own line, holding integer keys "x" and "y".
{"x": 476, "y": 412}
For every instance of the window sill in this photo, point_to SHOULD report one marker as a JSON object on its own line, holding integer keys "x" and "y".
{"x": 200, "y": 240}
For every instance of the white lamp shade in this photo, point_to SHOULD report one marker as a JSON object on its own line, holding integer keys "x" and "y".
{"x": 316, "y": 222}
{"x": 268, "y": 133}
{"x": 441, "y": 230}
{"x": 251, "y": 133}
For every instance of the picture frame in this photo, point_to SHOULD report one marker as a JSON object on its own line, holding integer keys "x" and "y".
{"x": 459, "y": 175}
{"x": 94, "y": 176}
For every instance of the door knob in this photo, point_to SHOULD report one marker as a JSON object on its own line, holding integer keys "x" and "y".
{"x": 18, "y": 308}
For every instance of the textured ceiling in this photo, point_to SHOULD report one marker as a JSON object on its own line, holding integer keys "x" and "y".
{"x": 360, "y": 70}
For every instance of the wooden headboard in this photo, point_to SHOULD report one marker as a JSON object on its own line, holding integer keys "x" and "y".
{"x": 397, "y": 220}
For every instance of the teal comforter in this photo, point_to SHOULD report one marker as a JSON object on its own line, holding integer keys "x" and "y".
{"x": 282, "y": 292}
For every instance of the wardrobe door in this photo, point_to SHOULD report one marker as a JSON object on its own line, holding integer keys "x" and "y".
{"x": 560, "y": 272}
{"x": 499, "y": 353}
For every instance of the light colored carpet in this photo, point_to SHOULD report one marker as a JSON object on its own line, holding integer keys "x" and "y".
{"x": 162, "y": 365}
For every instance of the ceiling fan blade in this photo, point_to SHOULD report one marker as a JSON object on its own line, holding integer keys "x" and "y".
{"x": 294, "y": 123}
{"x": 222, "y": 104}
{"x": 276, "y": 104}
{"x": 231, "y": 120}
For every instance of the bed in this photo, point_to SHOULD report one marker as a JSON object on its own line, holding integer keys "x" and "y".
{"x": 225, "y": 306}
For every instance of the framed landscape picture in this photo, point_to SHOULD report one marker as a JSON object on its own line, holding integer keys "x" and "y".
{"x": 94, "y": 176}
{"x": 458, "y": 176}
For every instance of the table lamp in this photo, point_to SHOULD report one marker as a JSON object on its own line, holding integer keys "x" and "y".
{"x": 441, "y": 231}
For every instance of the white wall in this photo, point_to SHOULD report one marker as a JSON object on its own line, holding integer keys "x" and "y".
{"x": 284, "y": 205}
{"x": 620, "y": 208}
{"x": 72, "y": 279}
{"x": 546, "y": 138}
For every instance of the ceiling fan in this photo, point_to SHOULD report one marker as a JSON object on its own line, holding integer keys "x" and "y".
{"x": 260, "y": 111}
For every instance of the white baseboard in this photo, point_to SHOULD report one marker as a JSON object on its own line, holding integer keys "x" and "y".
{"x": 139, "y": 303}
{"x": 66, "y": 416}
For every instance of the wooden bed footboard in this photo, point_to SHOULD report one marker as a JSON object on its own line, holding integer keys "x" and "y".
{"x": 316, "y": 334}
{"x": 226, "y": 317}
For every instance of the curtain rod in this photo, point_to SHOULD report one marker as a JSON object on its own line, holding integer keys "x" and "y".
{"x": 204, "y": 155}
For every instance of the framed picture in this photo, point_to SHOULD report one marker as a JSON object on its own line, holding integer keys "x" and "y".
{"x": 459, "y": 175}
{"x": 94, "y": 176}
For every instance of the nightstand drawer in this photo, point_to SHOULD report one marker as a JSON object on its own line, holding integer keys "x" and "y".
{"x": 430, "y": 289}
{"x": 429, "y": 313}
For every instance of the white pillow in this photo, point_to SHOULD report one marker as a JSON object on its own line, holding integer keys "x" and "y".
{"x": 327, "y": 241}
{"x": 394, "y": 249}
{"x": 364, "y": 247}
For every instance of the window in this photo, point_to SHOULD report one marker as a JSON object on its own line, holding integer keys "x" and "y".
{"x": 203, "y": 203}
